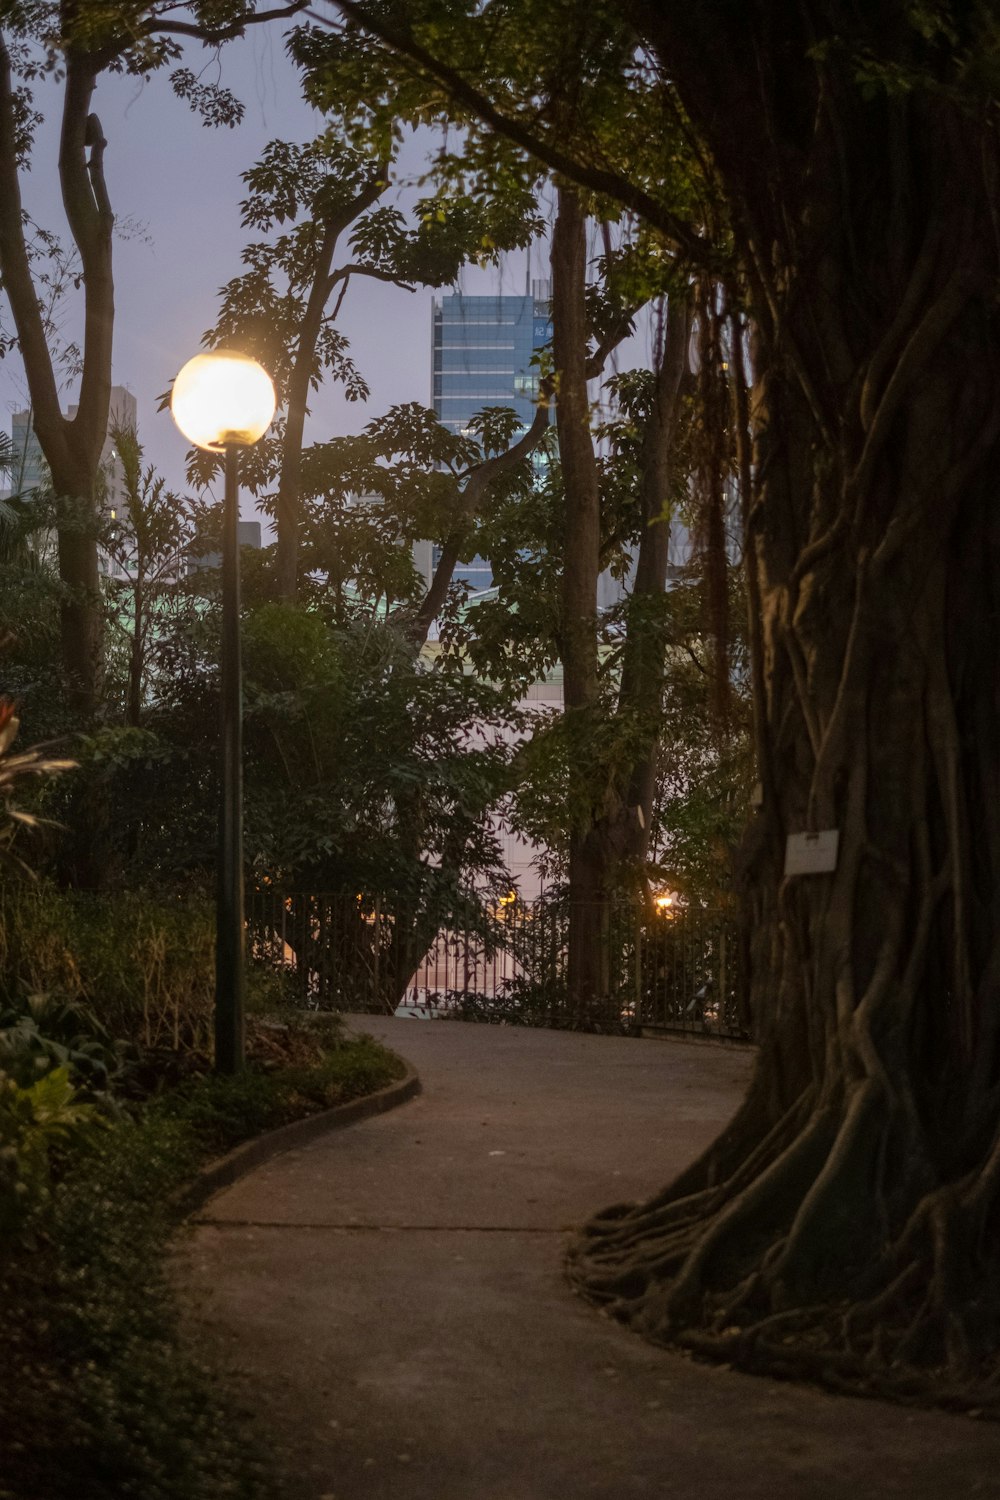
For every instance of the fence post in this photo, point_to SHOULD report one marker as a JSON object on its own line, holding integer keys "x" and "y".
{"x": 377, "y": 949}
{"x": 721, "y": 1013}
{"x": 637, "y": 1017}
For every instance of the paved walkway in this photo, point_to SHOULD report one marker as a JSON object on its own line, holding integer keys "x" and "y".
{"x": 392, "y": 1298}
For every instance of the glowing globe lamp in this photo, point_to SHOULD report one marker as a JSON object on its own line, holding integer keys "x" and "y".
{"x": 222, "y": 399}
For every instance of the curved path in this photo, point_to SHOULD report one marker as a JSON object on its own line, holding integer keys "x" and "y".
{"x": 392, "y": 1299}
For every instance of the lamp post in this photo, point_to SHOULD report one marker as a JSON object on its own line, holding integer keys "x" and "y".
{"x": 223, "y": 401}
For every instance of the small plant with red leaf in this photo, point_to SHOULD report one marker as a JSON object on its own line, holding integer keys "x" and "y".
{"x": 16, "y": 767}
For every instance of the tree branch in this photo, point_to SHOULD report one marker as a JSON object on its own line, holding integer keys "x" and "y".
{"x": 212, "y": 35}
{"x": 76, "y": 133}
{"x": 16, "y": 271}
{"x": 290, "y": 478}
{"x": 642, "y": 668}
{"x": 95, "y": 168}
{"x": 696, "y": 659}
{"x": 345, "y": 271}
{"x": 91, "y": 221}
{"x": 612, "y": 184}
{"x": 620, "y": 330}
{"x": 478, "y": 481}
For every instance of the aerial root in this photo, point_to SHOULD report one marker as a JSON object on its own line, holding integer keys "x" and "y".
{"x": 661, "y": 1232}
{"x": 709, "y": 1272}
{"x": 865, "y": 1316}
{"x": 623, "y": 1222}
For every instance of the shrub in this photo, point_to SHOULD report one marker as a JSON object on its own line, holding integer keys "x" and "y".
{"x": 109, "y": 1400}
{"x": 145, "y": 968}
{"x": 133, "y": 967}
{"x": 35, "y": 1120}
{"x": 48, "y": 1031}
{"x": 223, "y": 1111}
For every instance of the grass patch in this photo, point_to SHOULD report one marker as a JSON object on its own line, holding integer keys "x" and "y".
{"x": 101, "y": 1398}
{"x": 222, "y": 1112}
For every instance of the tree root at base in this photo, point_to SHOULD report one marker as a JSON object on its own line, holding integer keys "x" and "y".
{"x": 743, "y": 1273}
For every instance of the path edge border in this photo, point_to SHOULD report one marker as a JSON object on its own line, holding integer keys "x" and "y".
{"x": 226, "y": 1170}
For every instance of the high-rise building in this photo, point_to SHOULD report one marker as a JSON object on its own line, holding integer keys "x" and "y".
{"x": 122, "y": 413}
{"x": 29, "y": 471}
{"x": 482, "y": 351}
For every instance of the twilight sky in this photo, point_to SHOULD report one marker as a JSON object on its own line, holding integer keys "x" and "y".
{"x": 180, "y": 183}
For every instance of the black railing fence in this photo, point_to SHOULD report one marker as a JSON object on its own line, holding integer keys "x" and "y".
{"x": 672, "y": 970}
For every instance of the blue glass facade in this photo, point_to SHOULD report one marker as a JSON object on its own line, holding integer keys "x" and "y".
{"x": 481, "y": 356}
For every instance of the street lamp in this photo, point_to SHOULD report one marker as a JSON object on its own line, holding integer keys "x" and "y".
{"x": 224, "y": 401}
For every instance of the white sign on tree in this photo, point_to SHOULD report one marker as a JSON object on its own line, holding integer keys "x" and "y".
{"x": 812, "y": 853}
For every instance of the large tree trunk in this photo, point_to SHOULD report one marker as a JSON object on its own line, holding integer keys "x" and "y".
{"x": 586, "y": 957}
{"x": 72, "y": 448}
{"x": 81, "y": 611}
{"x": 620, "y": 832}
{"x": 846, "y": 1224}
{"x": 611, "y": 792}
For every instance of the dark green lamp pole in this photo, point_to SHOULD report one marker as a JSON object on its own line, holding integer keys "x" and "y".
{"x": 230, "y": 962}
{"x": 223, "y": 402}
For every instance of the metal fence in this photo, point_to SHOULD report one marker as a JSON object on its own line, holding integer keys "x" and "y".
{"x": 675, "y": 970}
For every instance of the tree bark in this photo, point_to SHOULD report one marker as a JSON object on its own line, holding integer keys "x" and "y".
{"x": 476, "y": 487}
{"x": 289, "y": 499}
{"x": 846, "y": 1225}
{"x": 137, "y": 654}
{"x": 626, "y": 825}
{"x": 586, "y": 956}
{"x": 611, "y": 798}
{"x": 72, "y": 448}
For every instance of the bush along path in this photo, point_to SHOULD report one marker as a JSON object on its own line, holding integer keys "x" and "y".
{"x": 101, "y": 1397}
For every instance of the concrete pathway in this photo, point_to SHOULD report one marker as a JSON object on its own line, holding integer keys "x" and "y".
{"x": 392, "y": 1299}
